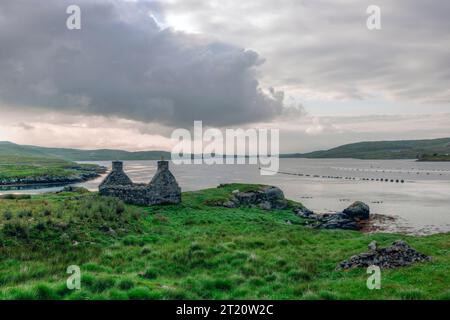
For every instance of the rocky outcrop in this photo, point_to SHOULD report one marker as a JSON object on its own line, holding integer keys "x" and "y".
{"x": 349, "y": 219}
{"x": 266, "y": 197}
{"x": 399, "y": 254}
{"x": 163, "y": 188}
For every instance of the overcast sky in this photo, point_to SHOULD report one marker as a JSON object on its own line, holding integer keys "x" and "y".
{"x": 139, "y": 69}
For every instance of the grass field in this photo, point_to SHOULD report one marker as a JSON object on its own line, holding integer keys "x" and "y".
{"x": 193, "y": 250}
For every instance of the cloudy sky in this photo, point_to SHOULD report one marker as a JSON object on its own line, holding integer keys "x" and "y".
{"x": 139, "y": 69}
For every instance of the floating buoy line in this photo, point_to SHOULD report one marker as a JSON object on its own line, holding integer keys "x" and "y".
{"x": 397, "y": 170}
{"x": 335, "y": 177}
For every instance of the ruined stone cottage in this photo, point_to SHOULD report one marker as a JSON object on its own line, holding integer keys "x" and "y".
{"x": 162, "y": 189}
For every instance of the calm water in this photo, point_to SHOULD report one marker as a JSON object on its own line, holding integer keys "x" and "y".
{"x": 421, "y": 204}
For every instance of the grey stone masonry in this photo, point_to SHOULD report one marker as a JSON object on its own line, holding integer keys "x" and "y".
{"x": 116, "y": 177}
{"x": 163, "y": 189}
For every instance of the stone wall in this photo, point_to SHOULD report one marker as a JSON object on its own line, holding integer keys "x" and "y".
{"x": 163, "y": 189}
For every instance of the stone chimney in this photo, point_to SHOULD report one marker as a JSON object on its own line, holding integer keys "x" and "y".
{"x": 116, "y": 177}
{"x": 117, "y": 166}
{"x": 163, "y": 165}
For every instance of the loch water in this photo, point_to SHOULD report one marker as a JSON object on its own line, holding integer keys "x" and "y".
{"x": 420, "y": 204}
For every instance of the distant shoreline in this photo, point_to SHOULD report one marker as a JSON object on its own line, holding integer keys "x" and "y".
{"x": 56, "y": 181}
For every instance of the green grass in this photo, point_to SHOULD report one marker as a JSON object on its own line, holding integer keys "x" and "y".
{"x": 193, "y": 250}
{"x": 17, "y": 167}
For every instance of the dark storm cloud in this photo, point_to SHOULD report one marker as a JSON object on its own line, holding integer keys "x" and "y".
{"x": 121, "y": 63}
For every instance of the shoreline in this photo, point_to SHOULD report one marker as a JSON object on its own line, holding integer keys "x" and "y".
{"x": 39, "y": 182}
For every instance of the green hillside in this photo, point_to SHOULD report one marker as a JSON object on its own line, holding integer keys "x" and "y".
{"x": 11, "y": 149}
{"x": 427, "y": 150}
{"x": 424, "y": 150}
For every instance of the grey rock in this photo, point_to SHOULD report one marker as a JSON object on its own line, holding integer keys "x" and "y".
{"x": 267, "y": 198}
{"x": 304, "y": 212}
{"x": 74, "y": 189}
{"x": 266, "y": 205}
{"x": 373, "y": 246}
{"x": 229, "y": 204}
{"x": 358, "y": 210}
{"x": 337, "y": 221}
{"x": 348, "y": 219}
{"x": 246, "y": 198}
{"x": 273, "y": 193}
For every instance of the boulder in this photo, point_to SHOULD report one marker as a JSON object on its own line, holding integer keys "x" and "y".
{"x": 74, "y": 189}
{"x": 266, "y": 205}
{"x": 357, "y": 211}
{"x": 373, "y": 246}
{"x": 272, "y": 193}
{"x": 304, "y": 212}
{"x": 246, "y": 198}
{"x": 229, "y": 204}
{"x": 399, "y": 254}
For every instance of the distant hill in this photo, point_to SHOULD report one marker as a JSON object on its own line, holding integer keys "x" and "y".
{"x": 431, "y": 150}
{"x": 12, "y": 149}
{"x": 426, "y": 150}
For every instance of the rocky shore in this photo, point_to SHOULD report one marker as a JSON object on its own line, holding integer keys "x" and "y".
{"x": 352, "y": 218}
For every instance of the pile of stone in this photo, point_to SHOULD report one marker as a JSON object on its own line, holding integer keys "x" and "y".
{"x": 349, "y": 219}
{"x": 399, "y": 254}
{"x": 267, "y": 198}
